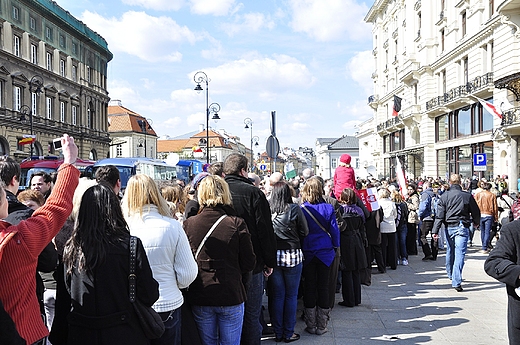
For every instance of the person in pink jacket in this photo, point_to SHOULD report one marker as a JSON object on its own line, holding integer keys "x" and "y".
{"x": 344, "y": 176}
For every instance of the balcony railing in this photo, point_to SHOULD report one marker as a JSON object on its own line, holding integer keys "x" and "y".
{"x": 511, "y": 116}
{"x": 389, "y": 123}
{"x": 475, "y": 85}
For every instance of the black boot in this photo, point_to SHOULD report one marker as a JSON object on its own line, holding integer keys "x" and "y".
{"x": 435, "y": 249}
{"x": 427, "y": 252}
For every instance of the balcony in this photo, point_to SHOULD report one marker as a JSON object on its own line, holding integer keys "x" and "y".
{"x": 477, "y": 84}
{"x": 374, "y": 52}
{"x": 372, "y": 101}
{"x": 511, "y": 117}
{"x": 395, "y": 33}
{"x": 442, "y": 19}
{"x": 417, "y": 5}
{"x": 385, "y": 45}
{"x": 390, "y": 123}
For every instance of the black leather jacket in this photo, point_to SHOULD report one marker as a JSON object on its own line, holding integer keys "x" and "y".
{"x": 456, "y": 205}
{"x": 289, "y": 228}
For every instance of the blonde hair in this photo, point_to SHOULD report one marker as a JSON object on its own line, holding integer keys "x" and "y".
{"x": 312, "y": 191}
{"x": 84, "y": 184}
{"x": 212, "y": 191}
{"x": 396, "y": 196}
{"x": 142, "y": 190}
{"x": 174, "y": 195}
{"x": 383, "y": 193}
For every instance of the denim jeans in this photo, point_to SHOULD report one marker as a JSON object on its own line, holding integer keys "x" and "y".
{"x": 485, "y": 228}
{"x": 402, "y": 231}
{"x": 219, "y": 324}
{"x": 252, "y": 328}
{"x": 457, "y": 242}
{"x": 284, "y": 294}
{"x": 172, "y": 328}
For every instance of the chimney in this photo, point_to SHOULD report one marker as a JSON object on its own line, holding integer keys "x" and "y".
{"x": 116, "y": 102}
{"x": 201, "y": 127}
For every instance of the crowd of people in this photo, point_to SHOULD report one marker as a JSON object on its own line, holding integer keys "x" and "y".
{"x": 207, "y": 251}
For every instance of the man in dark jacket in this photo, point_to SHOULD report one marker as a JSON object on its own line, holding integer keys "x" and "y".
{"x": 456, "y": 209}
{"x": 251, "y": 205}
{"x": 503, "y": 264}
{"x": 427, "y": 219}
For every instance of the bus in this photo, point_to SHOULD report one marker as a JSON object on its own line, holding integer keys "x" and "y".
{"x": 48, "y": 164}
{"x": 188, "y": 168}
{"x": 128, "y": 167}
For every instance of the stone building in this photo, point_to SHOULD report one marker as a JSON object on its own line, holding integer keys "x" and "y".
{"x": 53, "y": 80}
{"x": 440, "y": 58}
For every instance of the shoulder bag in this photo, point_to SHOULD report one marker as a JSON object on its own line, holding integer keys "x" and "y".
{"x": 208, "y": 235}
{"x": 314, "y": 218}
{"x": 149, "y": 319}
{"x": 510, "y": 215}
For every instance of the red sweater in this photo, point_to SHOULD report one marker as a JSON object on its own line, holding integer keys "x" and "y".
{"x": 20, "y": 256}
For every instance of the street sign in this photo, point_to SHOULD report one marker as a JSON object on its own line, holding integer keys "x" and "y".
{"x": 479, "y": 162}
{"x": 272, "y": 147}
{"x": 263, "y": 167}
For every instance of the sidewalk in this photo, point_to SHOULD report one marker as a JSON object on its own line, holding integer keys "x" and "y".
{"x": 416, "y": 304}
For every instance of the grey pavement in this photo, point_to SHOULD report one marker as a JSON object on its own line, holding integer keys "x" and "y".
{"x": 416, "y": 304}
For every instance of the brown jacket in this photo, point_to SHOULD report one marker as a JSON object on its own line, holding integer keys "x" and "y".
{"x": 487, "y": 203}
{"x": 226, "y": 255}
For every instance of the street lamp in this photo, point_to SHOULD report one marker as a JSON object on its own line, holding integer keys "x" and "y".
{"x": 140, "y": 146}
{"x": 35, "y": 87}
{"x": 201, "y": 77}
{"x": 145, "y": 126}
{"x": 254, "y": 140}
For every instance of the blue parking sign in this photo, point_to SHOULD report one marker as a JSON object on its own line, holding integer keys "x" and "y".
{"x": 479, "y": 162}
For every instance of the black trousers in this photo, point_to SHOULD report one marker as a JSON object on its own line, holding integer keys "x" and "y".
{"x": 316, "y": 280}
{"x": 411, "y": 239}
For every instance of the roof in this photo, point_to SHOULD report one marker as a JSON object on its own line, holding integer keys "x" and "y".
{"x": 345, "y": 142}
{"x": 325, "y": 141}
{"x": 121, "y": 119}
{"x": 176, "y": 145}
{"x": 171, "y": 145}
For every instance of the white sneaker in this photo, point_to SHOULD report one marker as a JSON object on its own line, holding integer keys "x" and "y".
{"x": 405, "y": 262}
{"x": 399, "y": 262}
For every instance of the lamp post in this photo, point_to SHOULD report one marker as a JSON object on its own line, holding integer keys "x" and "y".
{"x": 254, "y": 140}
{"x": 201, "y": 77}
{"x": 145, "y": 126}
{"x": 140, "y": 141}
{"x": 35, "y": 87}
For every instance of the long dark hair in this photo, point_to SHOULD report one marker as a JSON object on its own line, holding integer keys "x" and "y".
{"x": 100, "y": 223}
{"x": 281, "y": 197}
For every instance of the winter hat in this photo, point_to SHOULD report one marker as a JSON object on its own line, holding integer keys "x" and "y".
{"x": 196, "y": 180}
{"x": 345, "y": 158}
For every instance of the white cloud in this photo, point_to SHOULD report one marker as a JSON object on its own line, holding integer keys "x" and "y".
{"x": 213, "y": 7}
{"x": 300, "y": 127}
{"x": 160, "y": 5}
{"x": 328, "y": 20}
{"x": 262, "y": 75}
{"x": 247, "y": 23}
{"x": 359, "y": 68}
{"x": 153, "y": 39}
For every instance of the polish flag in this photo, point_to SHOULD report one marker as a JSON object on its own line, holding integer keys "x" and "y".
{"x": 369, "y": 198}
{"x": 489, "y": 107}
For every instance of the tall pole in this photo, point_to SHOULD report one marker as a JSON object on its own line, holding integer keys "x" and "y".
{"x": 35, "y": 84}
{"x": 207, "y": 121}
{"x": 251, "y": 147}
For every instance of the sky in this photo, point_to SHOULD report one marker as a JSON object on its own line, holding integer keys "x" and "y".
{"x": 308, "y": 60}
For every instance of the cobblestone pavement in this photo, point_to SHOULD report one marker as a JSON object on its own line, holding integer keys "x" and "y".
{"x": 416, "y": 304}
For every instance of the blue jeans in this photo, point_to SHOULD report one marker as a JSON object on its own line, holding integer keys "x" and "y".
{"x": 219, "y": 325}
{"x": 402, "y": 231}
{"x": 457, "y": 242}
{"x": 172, "y": 328}
{"x": 284, "y": 294}
{"x": 252, "y": 328}
{"x": 485, "y": 228}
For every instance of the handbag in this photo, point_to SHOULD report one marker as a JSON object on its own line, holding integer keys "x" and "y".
{"x": 208, "y": 234}
{"x": 149, "y": 319}
{"x": 510, "y": 215}
{"x": 317, "y": 222}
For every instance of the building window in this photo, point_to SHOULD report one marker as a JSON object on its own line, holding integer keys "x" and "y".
{"x": 491, "y": 8}
{"x": 34, "y": 103}
{"x": 442, "y": 40}
{"x": 466, "y": 70}
{"x": 16, "y": 13}
{"x": 62, "y": 41}
{"x": 48, "y": 33}
{"x": 119, "y": 150}
{"x": 34, "y": 53}
{"x": 74, "y": 114}
{"x": 49, "y": 61}
{"x": 16, "y": 45}
{"x": 463, "y": 26}
{"x": 49, "y": 107}
{"x": 32, "y": 23}
{"x": 88, "y": 74}
{"x": 62, "y": 67}
{"x": 74, "y": 73}
{"x": 17, "y": 98}
{"x": 74, "y": 48}
{"x": 334, "y": 163}
{"x": 62, "y": 111}
{"x": 1, "y": 93}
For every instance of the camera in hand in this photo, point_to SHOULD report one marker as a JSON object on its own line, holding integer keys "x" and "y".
{"x": 56, "y": 143}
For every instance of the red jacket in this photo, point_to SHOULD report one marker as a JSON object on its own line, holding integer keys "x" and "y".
{"x": 20, "y": 255}
{"x": 344, "y": 177}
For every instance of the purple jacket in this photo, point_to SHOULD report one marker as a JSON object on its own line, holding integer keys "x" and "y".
{"x": 319, "y": 243}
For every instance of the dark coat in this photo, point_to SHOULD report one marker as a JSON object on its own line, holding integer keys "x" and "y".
{"x": 503, "y": 264}
{"x": 454, "y": 206}
{"x": 99, "y": 303}
{"x": 290, "y": 227}
{"x": 251, "y": 204}
{"x": 225, "y": 256}
{"x": 372, "y": 227}
{"x": 353, "y": 255}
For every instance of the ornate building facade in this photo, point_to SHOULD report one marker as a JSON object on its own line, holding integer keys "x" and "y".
{"x": 53, "y": 80}
{"x": 440, "y": 57}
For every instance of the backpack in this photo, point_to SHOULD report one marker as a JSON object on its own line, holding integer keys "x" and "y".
{"x": 515, "y": 210}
